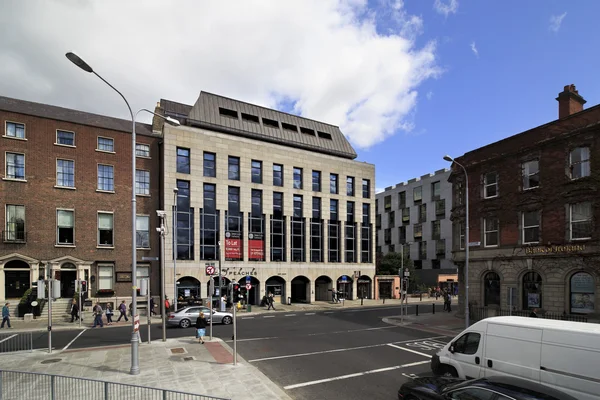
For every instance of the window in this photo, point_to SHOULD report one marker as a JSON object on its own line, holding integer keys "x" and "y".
{"x": 531, "y": 174}
{"x": 440, "y": 248}
{"x": 316, "y": 181}
{"x": 316, "y": 232}
{"x": 579, "y": 160}
{"x": 366, "y": 211}
{"x": 15, "y": 166}
{"x": 531, "y": 227}
{"x": 297, "y": 178}
{"x": 233, "y": 168}
{"x": 435, "y": 191}
{"x": 142, "y": 182}
{"x": 277, "y": 175}
{"x": 256, "y": 207}
{"x": 15, "y": 130}
{"x": 106, "y": 178}
{"x": 209, "y": 224}
{"x": 225, "y": 112}
{"x": 490, "y": 185}
{"x": 418, "y": 194}
{"x": 532, "y": 290}
{"x": 391, "y": 219}
{"x": 15, "y": 223}
{"x": 366, "y": 189}
{"x": 422, "y": 212}
{"x": 65, "y": 173}
{"x": 435, "y": 264}
{"x": 210, "y": 164}
{"x": 234, "y": 221}
{"x": 402, "y": 234}
{"x": 350, "y": 186}
{"x": 436, "y": 229}
{"x": 183, "y": 160}
{"x": 333, "y": 209}
{"x": 491, "y": 292}
{"x": 250, "y": 118}
{"x": 184, "y": 220}
{"x": 333, "y": 183}
{"x": 350, "y": 211}
{"x": 423, "y": 250}
{"x": 277, "y": 229}
{"x": 142, "y": 231}
{"x": 105, "y": 277}
{"x": 316, "y": 207}
{"x": 105, "y": 230}
{"x": 65, "y": 138}
{"x": 406, "y": 216}
{"x": 583, "y": 290}
{"x": 461, "y": 236}
{"x": 467, "y": 343}
{"x": 65, "y": 221}
{"x": 106, "y": 144}
{"x": 402, "y": 200}
{"x": 418, "y": 231}
{"x": 387, "y": 236}
{"x": 256, "y": 171}
{"x": 581, "y": 220}
{"x": 298, "y": 230}
{"x": 440, "y": 208}
{"x": 142, "y": 272}
{"x": 491, "y": 236}
{"x": 142, "y": 150}
{"x": 334, "y": 231}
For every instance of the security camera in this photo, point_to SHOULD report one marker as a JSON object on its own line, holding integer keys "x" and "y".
{"x": 161, "y": 213}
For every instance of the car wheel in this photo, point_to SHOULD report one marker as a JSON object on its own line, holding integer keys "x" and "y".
{"x": 226, "y": 320}
{"x": 184, "y": 323}
{"x": 449, "y": 372}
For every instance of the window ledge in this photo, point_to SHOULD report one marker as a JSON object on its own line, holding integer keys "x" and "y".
{"x": 71, "y": 246}
{"x": 105, "y": 191}
{"x": 65, "y": 145}
{"x": 64, "y": 187}
{"x": 580, "y": 239}
{"x": 106, "y": 247}
{"x": 142, "y": 195}
{"x": 491, "y": 246}
{"x": 14, "y": 138}
{"x": 490, "y": 197}
{"x": 143, "y": 248}
{"x": 146, "y": 157}
{"x": 14, "y": 180}
{"x": 105, "y": 151}
{"x": 531, "y": 188}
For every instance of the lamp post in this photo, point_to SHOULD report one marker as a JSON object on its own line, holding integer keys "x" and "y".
{"x": 175, "y": 191}
{"x": 135, "y": 366}
{"x": 452, "y": 160}
{"x": 163, "y": 312}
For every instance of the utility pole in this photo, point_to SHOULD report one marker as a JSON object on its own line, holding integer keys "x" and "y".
{"x": 163, "y": 312}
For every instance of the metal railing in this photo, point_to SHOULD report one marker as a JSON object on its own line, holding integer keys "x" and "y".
{"x": 34, "y": 386}
{"x": 11, "y": 343}
{"x": 479, "y": 313}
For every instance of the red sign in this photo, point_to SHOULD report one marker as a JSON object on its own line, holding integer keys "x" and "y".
{"x": 248, "y": 286}
{"x": 256, "y": 247}
{"x": 233, "y": 246}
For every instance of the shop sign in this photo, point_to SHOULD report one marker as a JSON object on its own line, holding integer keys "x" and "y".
{"x": 563, "y": 249}
{"x": 239, "y": 272}
{"x": 233, "y": 246}
{"x": 256, "y": 247}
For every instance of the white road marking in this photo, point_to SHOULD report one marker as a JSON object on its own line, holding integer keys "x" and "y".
{"x": 310, "y": 313}
{"x": 372, "y": 309}
{"x": 253, "y": 339}
{"x": 289, "y": 315}
{"x": 8, "y": 338}
{"x": 353, "y": 330}
{"x": 269, "y": 316}
{"x": 248, "y": 318}
{"x": 328, "y": 312}
{"x": 355, "y": 375}
{"x": 72, "y": 341}
{"x": 412, "y": 351}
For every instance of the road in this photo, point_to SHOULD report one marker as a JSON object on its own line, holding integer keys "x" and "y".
{"x": 344, "y": 353}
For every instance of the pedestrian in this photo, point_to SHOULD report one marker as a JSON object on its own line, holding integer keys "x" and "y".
{"x": 152, "y": 305}
{"x": 334, "y": 298}
{"x": 167, "y": 305}
{"x": 449, "y": 300}
{"x": 98, "y": 316}
{"x": 6, "y": 316}
{"x": 131, "y": 310}
{"x": 74, "y": 310}
{"x": 201, "y": 327}
{"x": 109, "y": 314}
{"x": 532, "y": 314}
{"x": 123, "y": 311}
{"x": 271, "y": 302}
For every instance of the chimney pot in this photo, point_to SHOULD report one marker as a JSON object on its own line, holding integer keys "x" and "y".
{"x": 569, "y": 101}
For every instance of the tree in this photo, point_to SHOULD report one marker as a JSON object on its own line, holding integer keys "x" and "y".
{"x": 391, "y": 263}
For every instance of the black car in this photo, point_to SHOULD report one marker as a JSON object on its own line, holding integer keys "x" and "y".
{"x": 492, "y": 388}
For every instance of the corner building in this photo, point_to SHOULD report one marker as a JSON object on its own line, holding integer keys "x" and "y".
{"x": 268, "y": 198}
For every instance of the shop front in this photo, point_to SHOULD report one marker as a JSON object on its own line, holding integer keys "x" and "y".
{"x": 387, "y": 287}
{"x": 363, "y": 286}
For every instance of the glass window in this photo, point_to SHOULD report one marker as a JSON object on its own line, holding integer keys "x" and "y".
{"x": 531, "y": 227}
{"x": 278, "y": 205}
{"x": 210, "y": 164}
{"x": 298, "y": 231}
{"x": 142, "y": 150}
{"x": 350, "y": 186}
{"x": 106, "y": 144}
{"x": 142, "y": 231}
{"x": 256, "y": 171}
{"x": 298, "y": 206}
{"x": 142, "y": 272}
{"x": 256, "y": 202}
{"x": 366, "y": 211}
{"x": 579, "y": 159}
{"x": 581, "y": 220}
{"x": 183, "y": 160}
{"x": 422, "y": 212}
{"x": 418, "y": 194}
{"x": 532, "y": 290}
{"x": 423, "y": 250}
{"x": 105, "y": 230}
{"x": 461, "y": 236}
{"x": 234, "y": 168}
{"x": 316, "y": 181}
{"x": 316, "y": 208}
{"x": 531, "y": 174}
{"x": 350, "y": 211}
{"x": 277, "y": 175}
{"x": 333, "y": 183}
{"x": 106, "y": 178}
{"x": 105, "y": 277}
{"x": 491, "y": 237}
{"x": 387, "y": 203}
{"x": 436, "y": 229}
{"x": 16, "y": 130}
{"x": 333, "y": 210}
{"x": 185, "y": 222}
{"x": 277, "y": 229}
{"x": 65, "y": 173}
{"x": 65, "y": 138}
{"x": 297, "y": 178}
{"x": 490, "y": 182}
{"x": 418, "y": 231}
{"x": 491, "y": 293}
{"x": 467, "y": 343}
{"x": 142, "y": 182}
{"x": 15, "y": 166}
{"x": 583, "y": 291}
{"x": 435, "y": 190}
{"x": 233, "y": 200}
{"x": 366, "y": 189}
{"x": 65, "y": 221}
{"x": 401, "y": 200}
{"x": 209, "y": 224}
{"x": 15, "y": 223}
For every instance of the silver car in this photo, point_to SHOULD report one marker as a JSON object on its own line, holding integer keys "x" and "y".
{"x": 187, "y": 316}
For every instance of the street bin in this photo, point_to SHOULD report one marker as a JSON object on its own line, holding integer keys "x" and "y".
{"x": 289, "y": 301}
{"x": 249, "y": 308}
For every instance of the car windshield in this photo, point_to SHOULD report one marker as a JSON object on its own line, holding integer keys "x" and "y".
{"x": 445, "y": 387}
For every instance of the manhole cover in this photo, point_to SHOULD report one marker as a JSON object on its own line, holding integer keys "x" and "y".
{"x": 51, "y": 361}
{"x": 188, "y": 358}
{"x": 178, "y": 350}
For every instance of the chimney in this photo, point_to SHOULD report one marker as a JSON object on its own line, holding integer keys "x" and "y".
{"x": 569, "y": 102}
{"x": 158, "y": 123}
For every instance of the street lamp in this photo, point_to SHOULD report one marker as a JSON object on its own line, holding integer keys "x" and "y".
{"x": 452, "y": 160}
{"x": 135, "y": 365}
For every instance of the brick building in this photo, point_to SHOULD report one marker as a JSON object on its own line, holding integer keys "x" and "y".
{"x": 66, "y": 199}
{"x": 534, "y": 211}
{"x": 283, "y": 194}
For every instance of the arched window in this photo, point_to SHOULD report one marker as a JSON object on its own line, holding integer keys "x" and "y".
{"x": 491, "y": 293}
{"x": 532, "y": 290}
{"x": 582, "y": 293}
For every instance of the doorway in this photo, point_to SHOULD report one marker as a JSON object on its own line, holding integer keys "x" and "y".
{"x": 67, "y": 284}
{"x": 385, "y": 290}
{"x": 16, "y": 283}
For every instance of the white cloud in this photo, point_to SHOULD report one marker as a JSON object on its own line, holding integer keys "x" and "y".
{"x": 429, "y": 95}
{"x": 474, "y": 49}
{"x": 556, "y": 21}
{"x": 379, "y": 190}
{"x": 324, "y": 56}
{"x": 446, "y": 8}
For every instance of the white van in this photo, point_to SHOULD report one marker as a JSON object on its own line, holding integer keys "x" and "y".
{"x": 561, "y": 354}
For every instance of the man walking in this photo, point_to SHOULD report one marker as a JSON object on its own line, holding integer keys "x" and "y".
{"x": 74, "y": 311}
{"x": 98, "y": 316}
{"x": 6, "y": 316}
{"x": 152, "y": 311}
{"x": 449, "y": 302}
{"x": 123, "y": 311}
{"x": 270, "y": 302}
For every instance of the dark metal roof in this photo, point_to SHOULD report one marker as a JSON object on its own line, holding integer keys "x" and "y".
{"x": 70, "y": 115}
{"x": 248, "y": 120}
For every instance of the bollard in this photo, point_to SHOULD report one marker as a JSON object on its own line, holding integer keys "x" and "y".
{"x": 433, "y": 305}
{"x": 421, "y": 296}
{"x": 417, "y": 310}
{"x": 384, "y": 300}
{"x": 361, "y": 300}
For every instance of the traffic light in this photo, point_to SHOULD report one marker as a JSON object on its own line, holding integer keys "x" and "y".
{"x": 237, "y": 292}
{"x": 84, "y": 292}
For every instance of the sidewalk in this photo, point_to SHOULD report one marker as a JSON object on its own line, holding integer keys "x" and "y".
{"x": 448, "y": 324}
{"x": 177, "y": 364}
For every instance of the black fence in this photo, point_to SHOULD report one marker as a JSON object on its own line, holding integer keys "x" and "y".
{"x": 479, "y": 313}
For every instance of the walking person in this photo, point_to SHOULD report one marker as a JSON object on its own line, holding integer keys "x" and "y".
{"x": 98, "y": 316}
{"x": 74, "y": 311}
{"x": 200, "y": 328}
{"x": 123, "y": 311}
{"x": 449, "y": 301}
{"x": 270, "y": 302}
{"x": 334, "y": 298}
{"x": 168, "y": 305}
{"x": 532, "y": 314}
{"x": 109, "y": 314}
{"x": 152, "y": 305}
{"x": 6, "y": 316}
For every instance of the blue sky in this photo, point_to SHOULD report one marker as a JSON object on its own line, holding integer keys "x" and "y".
{"x": 509, "y": 87}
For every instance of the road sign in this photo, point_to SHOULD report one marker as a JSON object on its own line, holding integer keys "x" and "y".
{"x": 344, "y": 279}
{"x": 149, "y": 258}
{"x": 136, "y": 323}
{"x": 248, "y": 279}
{"x": 248, "y": 286}
{"x": 210, "y": 270}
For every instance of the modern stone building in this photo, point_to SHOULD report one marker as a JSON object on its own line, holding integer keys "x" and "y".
{"x": 271, "y": 199}
{"x": 534, "y": 212}
{"x": 416, "y": 215}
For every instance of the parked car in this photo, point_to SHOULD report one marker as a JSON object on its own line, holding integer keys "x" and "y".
{"x": 187, "y": 316}
{"x": 493, "y": 388}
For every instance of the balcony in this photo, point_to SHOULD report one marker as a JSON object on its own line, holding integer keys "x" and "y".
{"x": 14, "y": 236}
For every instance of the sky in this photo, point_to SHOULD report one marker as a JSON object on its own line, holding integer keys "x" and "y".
{"x": 407, "y": 81}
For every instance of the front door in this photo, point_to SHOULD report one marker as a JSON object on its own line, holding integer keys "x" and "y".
{"x": 468, "y": 355}
{"x": 16, "y": 283}
{"x": 385, "y": 290}
{"x": 67, "y": 284}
